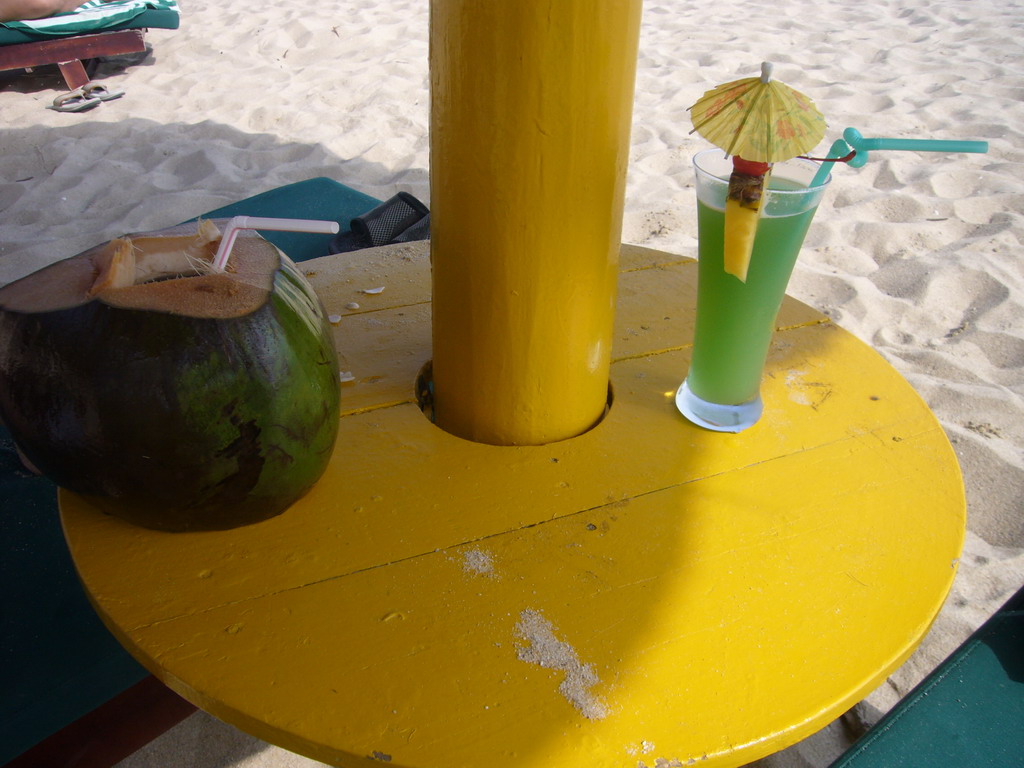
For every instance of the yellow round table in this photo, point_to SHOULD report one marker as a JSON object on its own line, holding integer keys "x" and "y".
{"x": 646, "y": 594}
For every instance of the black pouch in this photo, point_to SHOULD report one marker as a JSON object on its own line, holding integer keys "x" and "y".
{"x": 401, "y": 219}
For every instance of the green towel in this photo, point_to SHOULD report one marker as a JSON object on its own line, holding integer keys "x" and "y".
{"x": 93, "y": 15}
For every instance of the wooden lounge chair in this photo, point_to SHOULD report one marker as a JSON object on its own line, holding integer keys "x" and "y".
{"x": 22, "y": 47}
{"x": 71, "y": 695}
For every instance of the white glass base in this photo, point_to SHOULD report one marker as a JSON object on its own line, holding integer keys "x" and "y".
{"x": 713, "y": 416}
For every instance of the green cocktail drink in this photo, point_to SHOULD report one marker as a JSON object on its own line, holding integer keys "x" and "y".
{"x": 735, "y": 319}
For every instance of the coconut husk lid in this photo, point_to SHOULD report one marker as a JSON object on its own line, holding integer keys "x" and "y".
{"x": 166, "y": 271}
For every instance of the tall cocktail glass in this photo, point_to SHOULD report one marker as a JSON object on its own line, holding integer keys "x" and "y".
{"x": 735, "y": 319}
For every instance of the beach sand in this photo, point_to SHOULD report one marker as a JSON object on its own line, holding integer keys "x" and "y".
{"x": 918, "y": 255}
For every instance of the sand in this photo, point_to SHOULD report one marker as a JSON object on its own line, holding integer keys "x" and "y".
{"x": 918, "y": 255}
{"x": 542, "y": 647}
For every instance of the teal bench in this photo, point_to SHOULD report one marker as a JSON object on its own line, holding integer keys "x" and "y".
{"x": 58, "y": 664}
{"x": 969, "y": 712}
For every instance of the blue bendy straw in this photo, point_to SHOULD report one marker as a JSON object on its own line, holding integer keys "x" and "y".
{"x": 839, "y": 149}
{"x": 856, "y": 142}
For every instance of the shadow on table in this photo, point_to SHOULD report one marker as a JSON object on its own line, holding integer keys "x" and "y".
{"x": 616, "y": 561}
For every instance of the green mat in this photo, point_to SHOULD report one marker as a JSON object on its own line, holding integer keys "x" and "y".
{"x": 14, "y": 32}
{"x": 57, "y": 660}
{"x": 92, "y": 16}
{"x": 968, "y": 713}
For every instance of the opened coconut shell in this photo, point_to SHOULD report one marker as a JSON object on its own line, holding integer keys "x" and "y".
{"x": 171, "y": 395}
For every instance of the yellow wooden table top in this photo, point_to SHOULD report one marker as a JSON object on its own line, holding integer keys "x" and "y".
{"x": 647, "y": 594}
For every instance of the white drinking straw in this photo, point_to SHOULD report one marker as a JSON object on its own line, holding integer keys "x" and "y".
{"x": 238, "y": 223}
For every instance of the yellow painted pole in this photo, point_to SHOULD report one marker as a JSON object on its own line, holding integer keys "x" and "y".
{"x": 530, "y": 118}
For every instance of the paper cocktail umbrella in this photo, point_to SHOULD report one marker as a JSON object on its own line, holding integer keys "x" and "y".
{"x": 758, "y": 121}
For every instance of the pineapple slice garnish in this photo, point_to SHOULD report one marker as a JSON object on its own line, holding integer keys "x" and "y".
{"x": 743, "y": 208}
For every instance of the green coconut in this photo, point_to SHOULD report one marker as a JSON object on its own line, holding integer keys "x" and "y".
{"x": 172, "y": 395}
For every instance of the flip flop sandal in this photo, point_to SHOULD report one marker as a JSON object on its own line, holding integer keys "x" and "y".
{"x": 73, "y": 101}
{"x": 101, "y": 92}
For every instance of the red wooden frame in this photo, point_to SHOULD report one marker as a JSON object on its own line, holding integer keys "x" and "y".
{"x": 69, "y": 52}
{"x": 112, "y": 731}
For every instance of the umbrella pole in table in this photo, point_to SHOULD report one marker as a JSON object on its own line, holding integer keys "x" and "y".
{"x": 530, "y": 119}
